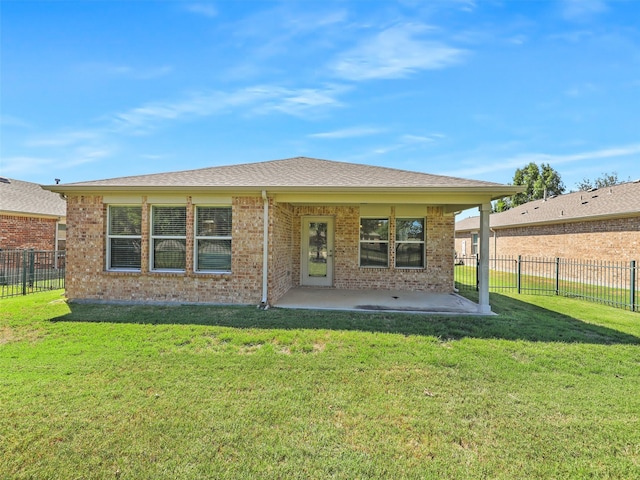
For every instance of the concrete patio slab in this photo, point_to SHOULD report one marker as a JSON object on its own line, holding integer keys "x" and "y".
{"x": 376, "y": 300}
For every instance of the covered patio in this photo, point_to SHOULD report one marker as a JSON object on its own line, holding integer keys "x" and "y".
{"x": 317, "y": 298}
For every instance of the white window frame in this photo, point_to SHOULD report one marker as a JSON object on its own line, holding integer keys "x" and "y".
{"x": 153, "y": 238}
{"x": 387, "y": 241}
{"x": 128, "y": 237}
{"x": 422, "y": 242}
{"x": 209, "y": 237}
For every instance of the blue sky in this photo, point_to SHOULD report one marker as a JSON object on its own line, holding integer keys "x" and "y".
{"x": 474, "y": 89}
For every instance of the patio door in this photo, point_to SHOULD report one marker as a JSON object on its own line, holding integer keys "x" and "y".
{"x": 317, "y": 251}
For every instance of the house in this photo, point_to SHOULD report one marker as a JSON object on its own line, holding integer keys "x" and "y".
{"x": 30, "y": 217}
{"x": 601, "y": 224}
{"x": 246, "y": 234}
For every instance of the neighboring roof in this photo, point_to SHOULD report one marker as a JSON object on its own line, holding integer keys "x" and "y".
{"x": 28, "y": 198}
{"x": 308, "y": 173}
{"x": 622, "y": 200}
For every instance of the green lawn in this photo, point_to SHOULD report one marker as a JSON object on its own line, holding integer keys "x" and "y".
{"x": 507, "y": 281}
{"x": 549, "y": 388}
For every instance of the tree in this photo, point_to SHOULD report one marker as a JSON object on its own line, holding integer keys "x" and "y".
{"x": 502, "y": 205}
{"x": 539, "y": 181}
{"x": 606, "y": 180}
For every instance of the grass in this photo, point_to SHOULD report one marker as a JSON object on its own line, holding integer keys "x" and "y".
{"x": 546, "y": 389}
{"x": 507, "y": 281}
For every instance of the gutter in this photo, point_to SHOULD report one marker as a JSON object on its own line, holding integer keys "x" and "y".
{"x": 264, "y": 304}
{"x": 494, "y": 191}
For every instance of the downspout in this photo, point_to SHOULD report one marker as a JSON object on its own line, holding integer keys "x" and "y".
{"x": 265, "y": 252}
{"x": 56, "y": 239}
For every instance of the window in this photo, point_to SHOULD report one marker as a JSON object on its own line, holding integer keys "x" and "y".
{"x": 61, "y": 235}
{"x": 168, "y": 238}
{"x": 213, "y": 239}
{"x": 410, "y": 242}
{"x": 123, "y": 237}
{"x": 474, "y": 244}
{"x": 374, "y": 242}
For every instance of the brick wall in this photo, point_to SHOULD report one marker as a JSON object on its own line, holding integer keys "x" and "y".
{"x": 88, "y": 280}
{"x": 605, "y": 240}
{"x": 21, "y": 232}
{"x": 86, "y": 250}
{"x": 463, "y": 244}
{"x": 436, "y": 277}
{"x": 282, "y": 254}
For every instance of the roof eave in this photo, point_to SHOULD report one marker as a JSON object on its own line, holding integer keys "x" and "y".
{"x": 559, "y": 220}
{"x": 556, "y": 221}
{"x": 19, "y": 213}
{"x": 491, "y": 191}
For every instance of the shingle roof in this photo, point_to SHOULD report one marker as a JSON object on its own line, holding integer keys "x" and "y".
{"x": 617, "y": 201}
{"x": 17, "y": 196}
{"x": 291, "y": 172}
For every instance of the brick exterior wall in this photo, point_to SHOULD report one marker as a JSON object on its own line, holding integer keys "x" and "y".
{"x": 21, "y": 232}
{"x": 87, "y": 278}
{"x": 605, "y": 240}
{"x": 466, "y": 238}
{"x": 436, "y": 277}
{"x": 282, "y": 254}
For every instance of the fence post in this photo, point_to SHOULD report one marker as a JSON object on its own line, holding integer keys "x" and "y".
{"x": 477, "y": 272}
{"x": 632, "y": 296}
{"x": 24, "y": 271}
{"x": 557, "y": 276}
{"x": 32, "y": 266}
{"x": 519, "y": 273}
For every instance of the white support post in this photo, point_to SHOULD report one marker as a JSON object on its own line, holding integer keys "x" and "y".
{"x": 264, "y": 303}
{"x": 484, "y": 306}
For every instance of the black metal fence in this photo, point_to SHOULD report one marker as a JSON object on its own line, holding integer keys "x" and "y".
{"x": 611, "y": 283}
{"x": 30, "y": 271}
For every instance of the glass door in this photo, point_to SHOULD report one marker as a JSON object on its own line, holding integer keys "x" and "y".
{"x": 317, "y": 251}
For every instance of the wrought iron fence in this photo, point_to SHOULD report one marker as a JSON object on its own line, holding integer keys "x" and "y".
{"x": 29, "y": 271}
{"x": 611, "y": 283}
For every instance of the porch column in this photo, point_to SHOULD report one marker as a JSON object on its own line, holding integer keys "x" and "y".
{"x": 264, "y": 303}
{"x": 483, "y": 289}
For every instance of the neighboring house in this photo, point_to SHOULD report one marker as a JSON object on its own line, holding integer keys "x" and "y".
{"x": 601, "y": 224}
{"x": 30, "y": 217}
{"x": 246, "y": 234}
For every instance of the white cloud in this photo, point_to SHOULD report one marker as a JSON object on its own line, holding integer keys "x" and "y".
{"x": 205, "y": 9}
{"x": 395, "y": 53}
{"x": 298, "y": 102}
{"x": 387, "y": 149}
{"x": 421, "y": 138}
{"x": 12, "y": 121}
{"x": 410, "y": 142}
{"x": 256, "y": 100}
{"x": 26, "y": 166}
{"x": 582, "y": 9}
{"x": 84, "y": 155}
{"x": 575, "y": 36}
{"x": 62, "y": 139}
{"x": 20, "y": 166}
{"x": 581, "y": 90}
{"x": 348, "y": 133}
{"x": 518, "y": 161}
{"x": 106, "y": 69}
